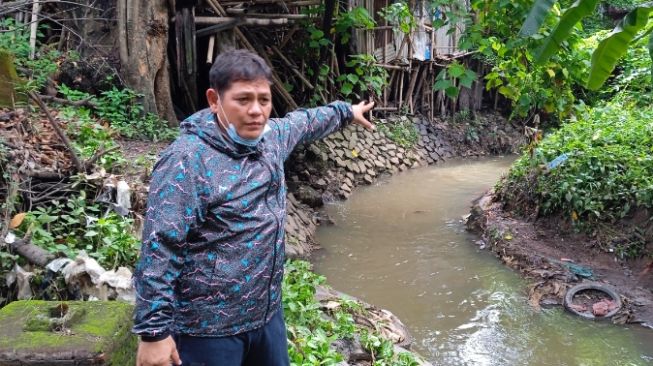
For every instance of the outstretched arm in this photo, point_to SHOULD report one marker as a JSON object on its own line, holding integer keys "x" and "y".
{"x": 308, "y": 125}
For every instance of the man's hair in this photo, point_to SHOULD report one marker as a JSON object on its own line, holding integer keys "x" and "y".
{"x": 237, "y": 65}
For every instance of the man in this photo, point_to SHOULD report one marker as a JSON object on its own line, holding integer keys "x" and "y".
{"x": 208, "y": 281}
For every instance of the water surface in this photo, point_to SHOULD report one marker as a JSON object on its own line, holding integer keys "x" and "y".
{"x": 401, "y": 245}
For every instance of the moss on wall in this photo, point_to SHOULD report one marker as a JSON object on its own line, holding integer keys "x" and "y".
{"x": 101, "y": 334}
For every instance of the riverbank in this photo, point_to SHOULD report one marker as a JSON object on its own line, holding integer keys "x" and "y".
{"x": 556, "y": 259}
{"x": 331, "y": 169}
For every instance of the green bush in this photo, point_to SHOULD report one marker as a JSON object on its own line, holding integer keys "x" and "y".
{"x": 311, "y": 333}
{"x": 403, "y": 133}
{"x": 121, "y": 109}
{"x": 14, "y": 37}
{"x": 74, "y": 225}
{"x": 609, "y": 169}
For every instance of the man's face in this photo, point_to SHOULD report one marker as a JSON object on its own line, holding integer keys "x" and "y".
{"x": 246, "y": 105}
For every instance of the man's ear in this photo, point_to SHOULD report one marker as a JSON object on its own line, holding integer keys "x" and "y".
{"x": 213, "y": 98}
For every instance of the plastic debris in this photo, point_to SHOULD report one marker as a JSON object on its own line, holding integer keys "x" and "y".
{"x": 121, "y": 281}
{"x": 123, "y": 193}
{"x": 96, "y": 282}
{"x": 557, "y": 161}
{"x": 21, "y": 277}
{"x": 10, "y": 238}
{"x": 57, "y": 264}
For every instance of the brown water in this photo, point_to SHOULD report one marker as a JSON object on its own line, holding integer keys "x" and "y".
{"x": 401, "y": 245}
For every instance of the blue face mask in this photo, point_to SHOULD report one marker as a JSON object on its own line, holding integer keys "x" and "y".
{"x": 235, "y": 137}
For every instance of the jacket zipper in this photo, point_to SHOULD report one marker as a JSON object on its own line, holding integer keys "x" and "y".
{"x": 276, "y": 238}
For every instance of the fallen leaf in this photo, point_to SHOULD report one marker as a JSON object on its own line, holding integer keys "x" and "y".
{"x": 17, "y": 220}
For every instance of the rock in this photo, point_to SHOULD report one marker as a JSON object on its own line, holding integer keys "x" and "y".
{"x": 368, "y": 178}
{"x": 321, "y": 183}
{"x": 345, "y": 187}
{"x": 378, "y": 164}
{"x": 350, "y": 176}
{"x": 71, "y": 332}
{"x": 340, "y": 163}
{"x": 310, "y": 196}
{"x": 303, "y": 216}
{"x": 394, "y": 160}
{"x": 361, "y": 166}
{"x": 352, "y": 167}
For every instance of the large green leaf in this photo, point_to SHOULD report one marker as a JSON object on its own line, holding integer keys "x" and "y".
{"x": 538, "y": 13}
{"x": 573, "y": 15}
{"x": 612, "y": 48}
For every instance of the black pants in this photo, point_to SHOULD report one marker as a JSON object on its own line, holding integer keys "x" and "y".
{"x": 266, "y": 346}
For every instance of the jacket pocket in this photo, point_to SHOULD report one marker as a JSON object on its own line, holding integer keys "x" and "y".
{"x": 196, "y": 279}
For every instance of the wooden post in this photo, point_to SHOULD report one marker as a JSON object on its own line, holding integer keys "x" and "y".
{"x": 209, "y": 52}
{"x": 411, "y": 87}
{"x": 401, "y": 90}
{"x": 33, "y": 29}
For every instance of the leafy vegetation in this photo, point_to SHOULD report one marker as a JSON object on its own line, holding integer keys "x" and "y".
{"x": 609, "y": 50}
{"x": 403, "y": 132}
{"x": 366, "y": 77}
{"x": 451, "y": 78}
{"x": 311, "y": 330}
{"x": 120, "y": 109}
{"x": 361, "y": 76}
{"x": 74, "y": 225}
{"x": 597, "y": 169}
{"x": 14, "y": 37}
{"x": 529, "y": 87}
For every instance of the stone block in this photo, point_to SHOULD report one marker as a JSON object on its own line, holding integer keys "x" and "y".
{"x": 76, "y": 333}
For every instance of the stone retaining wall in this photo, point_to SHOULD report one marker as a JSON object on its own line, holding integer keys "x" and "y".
{"x": 331, "y": 168}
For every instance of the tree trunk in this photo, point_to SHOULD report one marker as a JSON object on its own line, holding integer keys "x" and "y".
{"x": 142, "y": 42}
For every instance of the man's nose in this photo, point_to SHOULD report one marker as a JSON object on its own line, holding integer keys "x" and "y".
{"x": 256, "y": 108}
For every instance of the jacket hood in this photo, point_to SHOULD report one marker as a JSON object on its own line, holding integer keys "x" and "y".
{"x": 204, "y": 125}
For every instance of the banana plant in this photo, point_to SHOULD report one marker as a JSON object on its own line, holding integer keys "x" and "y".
{"x": 609, "y": 50}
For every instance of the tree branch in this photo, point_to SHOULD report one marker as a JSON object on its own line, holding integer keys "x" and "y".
{"x": 78, "y": 163}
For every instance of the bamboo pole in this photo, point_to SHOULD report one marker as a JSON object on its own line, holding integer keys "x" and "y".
{"x": 292, "y": 67}
{"x": 270, "y": 16}
{"x": 33, "y": 29}
{"x": 241, "y": 21}
{"x": 411, "y": 87}
{"x": 209, "y": 51}
{"x": 401, "y": 90}
{"x": 275, "y": 79}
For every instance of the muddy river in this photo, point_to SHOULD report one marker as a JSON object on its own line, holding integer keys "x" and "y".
{"x": 401, "y": 245}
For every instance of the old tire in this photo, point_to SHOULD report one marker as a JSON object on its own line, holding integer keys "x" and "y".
{"x": 569, "y": 296}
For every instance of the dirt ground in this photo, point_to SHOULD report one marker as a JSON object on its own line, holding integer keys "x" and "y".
{"x": 556, "y": 261}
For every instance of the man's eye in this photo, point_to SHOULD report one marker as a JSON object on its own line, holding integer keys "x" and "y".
{"x": 265, "y": 101}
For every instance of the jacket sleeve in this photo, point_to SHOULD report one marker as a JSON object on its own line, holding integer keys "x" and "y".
{"x": 308, "y": 125}
{"x": 174, "y": 207}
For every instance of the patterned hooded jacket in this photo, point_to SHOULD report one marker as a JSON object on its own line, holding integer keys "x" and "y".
{"x": 212, "y": 254}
